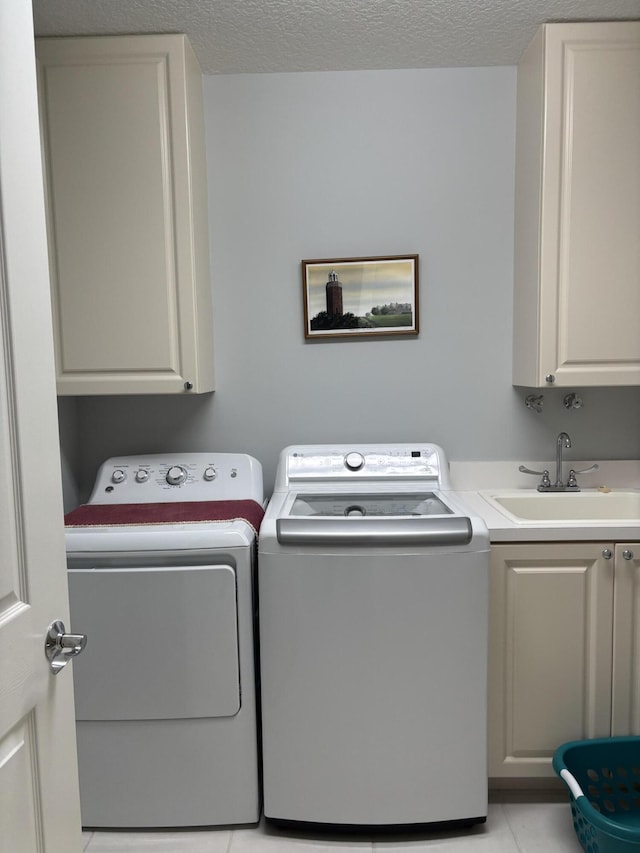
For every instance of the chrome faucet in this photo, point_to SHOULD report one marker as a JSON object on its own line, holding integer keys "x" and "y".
{"x": 562, "y": 441}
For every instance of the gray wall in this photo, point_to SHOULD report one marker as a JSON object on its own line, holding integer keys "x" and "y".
{"x": 70, "y": 450}
{"x": 347, "y": 164}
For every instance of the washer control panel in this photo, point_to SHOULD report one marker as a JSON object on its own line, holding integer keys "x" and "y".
{"x": 160, "y": 478}
{"x": 371, "y": 462}
{"x": 354, "y": 460}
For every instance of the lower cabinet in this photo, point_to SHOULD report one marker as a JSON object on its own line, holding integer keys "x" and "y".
{"x": 564, "y": 652}
{"x": 625, "y": 712}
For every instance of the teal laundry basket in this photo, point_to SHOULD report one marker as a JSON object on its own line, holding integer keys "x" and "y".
{"x": 603, "y": 778}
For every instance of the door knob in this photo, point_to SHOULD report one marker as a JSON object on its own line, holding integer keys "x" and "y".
{"x": 627, "y": 554}
{"x": 60, "y": 647}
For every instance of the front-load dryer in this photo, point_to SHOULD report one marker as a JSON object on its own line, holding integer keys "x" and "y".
{"x": 161, "y": 564}
{"x": 373, "y": 587}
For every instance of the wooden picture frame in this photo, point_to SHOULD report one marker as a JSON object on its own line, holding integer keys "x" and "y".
{"x": 346, "y": 298}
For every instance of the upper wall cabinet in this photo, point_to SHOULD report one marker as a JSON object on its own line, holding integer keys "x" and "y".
{"x": 124, "y": 152}
{"x": 577, "y": 249}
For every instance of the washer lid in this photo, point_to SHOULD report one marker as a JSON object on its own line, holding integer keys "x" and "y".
{"x": 379, "y": 519}
{"x": 359, "y": 505}
{"x": 376, "y": 531}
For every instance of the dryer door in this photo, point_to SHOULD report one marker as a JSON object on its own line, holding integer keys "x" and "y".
{"x": 162, "y": 642}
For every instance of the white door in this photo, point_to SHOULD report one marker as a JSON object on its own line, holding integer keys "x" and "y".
{"x": 39, "y": 805}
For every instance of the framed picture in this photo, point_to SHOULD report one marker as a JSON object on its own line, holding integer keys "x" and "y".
{"x": 360, "y": 297}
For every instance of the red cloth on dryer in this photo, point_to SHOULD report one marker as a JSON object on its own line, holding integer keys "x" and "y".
{"x": 179, "y": 512}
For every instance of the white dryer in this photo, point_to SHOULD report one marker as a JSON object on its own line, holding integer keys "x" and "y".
{"x": 374, "y": 587}
{"x": 161, "y": 565}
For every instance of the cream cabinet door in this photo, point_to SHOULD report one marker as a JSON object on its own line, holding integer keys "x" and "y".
{"x": 549, "y": 653}
{"x": 124, "y": 151}
{"x": 626, "y": 641}
{"x": 577, "y": 262}
{"x": 39, "y": 803}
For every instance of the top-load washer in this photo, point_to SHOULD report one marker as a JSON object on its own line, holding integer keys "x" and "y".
{"x": 374, "y": 586}
{"x": 161, "y": 564}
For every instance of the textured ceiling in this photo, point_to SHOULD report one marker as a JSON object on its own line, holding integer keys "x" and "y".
{"x": 255, "y": 36}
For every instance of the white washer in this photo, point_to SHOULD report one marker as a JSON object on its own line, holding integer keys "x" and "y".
{"x": 161, "y": 567}
{"x": 374, "y": 587}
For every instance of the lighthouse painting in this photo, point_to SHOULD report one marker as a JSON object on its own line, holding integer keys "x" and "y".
{"x": 334, "y": 296}
{"x": 360, "y": 297}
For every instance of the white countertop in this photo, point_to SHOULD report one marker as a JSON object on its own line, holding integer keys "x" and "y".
{"x": 469, "y": 479}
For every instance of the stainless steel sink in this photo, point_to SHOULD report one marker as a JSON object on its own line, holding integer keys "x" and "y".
{"x": 587, "y": 506}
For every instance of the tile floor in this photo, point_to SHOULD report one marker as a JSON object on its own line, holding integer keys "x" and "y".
{"x": 512, "y": 827}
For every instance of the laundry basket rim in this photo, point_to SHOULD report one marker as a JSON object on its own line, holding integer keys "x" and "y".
{"x": 562, "y": 760}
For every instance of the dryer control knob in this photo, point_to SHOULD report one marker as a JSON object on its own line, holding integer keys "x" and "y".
{"x": 354, "y": 461}
{"x": 118, "y": 476}
{"x": 210, "y": 473}
{"x": 176, "y": 475}
{"x": 142, "y": 475}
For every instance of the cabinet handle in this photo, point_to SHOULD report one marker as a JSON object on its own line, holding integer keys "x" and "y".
{"x": 628, "y": 554}
{"x": 607, "y": 554}
{"x": 550, "y": 378}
